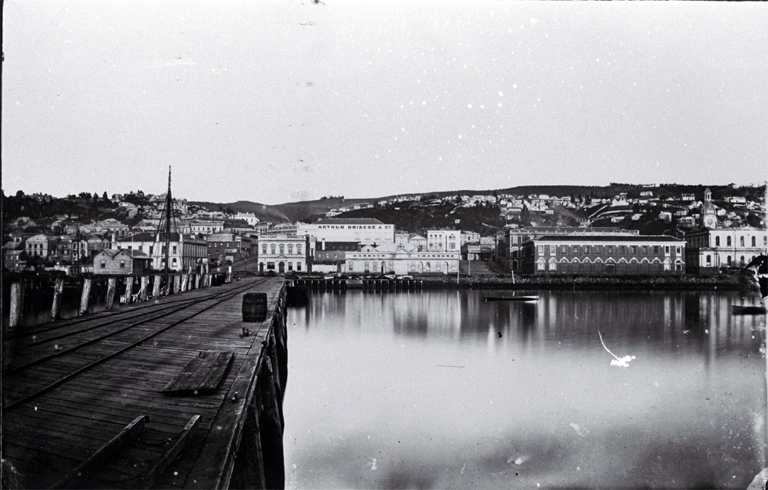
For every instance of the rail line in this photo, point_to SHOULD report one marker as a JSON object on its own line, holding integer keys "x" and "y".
{"x": 64, "y": 323}
{"x": 80, "y": 351}
{"x": 39, "y": 337}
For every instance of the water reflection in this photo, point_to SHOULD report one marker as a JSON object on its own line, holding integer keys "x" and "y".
{"x": 442, "y": 389}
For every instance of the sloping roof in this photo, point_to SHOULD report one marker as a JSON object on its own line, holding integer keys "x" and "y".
{"x": 348, "y": 221}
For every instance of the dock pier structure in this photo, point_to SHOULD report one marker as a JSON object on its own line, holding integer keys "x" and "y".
{"x": 178, "y": 392}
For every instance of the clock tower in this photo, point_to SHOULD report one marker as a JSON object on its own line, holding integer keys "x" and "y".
{"x": 708, "y": 216}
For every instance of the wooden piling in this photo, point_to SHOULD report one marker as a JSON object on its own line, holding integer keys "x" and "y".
{"x": 156, "y": 285}
{"x": 184, "y": 282}
{"x": 198, "y": 279}
{"x": 111, "y": 287}
{"x": 271, "y": 431}
{"x": 143, "y": 288}
{"x": 58, "y": 289}
{"x": 85, "y": 296}
{"x": 17, "y": 303}
{"x": 128, "y": 290}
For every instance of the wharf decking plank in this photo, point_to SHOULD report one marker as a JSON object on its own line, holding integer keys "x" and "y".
{"x": 81, "y": 413}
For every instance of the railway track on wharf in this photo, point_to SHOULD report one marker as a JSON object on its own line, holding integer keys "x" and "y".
{"x": 101, "y": 401}
{"x": 57, "y": 356}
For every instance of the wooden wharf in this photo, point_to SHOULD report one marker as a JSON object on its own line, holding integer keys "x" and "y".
{"x": 177, "y": 392}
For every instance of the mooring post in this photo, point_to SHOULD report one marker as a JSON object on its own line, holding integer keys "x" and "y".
{"x": 143, "y": 288}
{"x": 156, "y": 285}
{"x": 184, "y": 282}
{"x": 128, "y": 289}
{"x": 86, "y": 295}
{"x": 58, "y": 288}
{"x": 111, "y": 287}
{"x": 198, "y": 278}
{"x": 17, "y": 302}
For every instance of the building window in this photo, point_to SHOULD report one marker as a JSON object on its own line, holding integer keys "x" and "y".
{"x": 575, "y": 249}
{"x": 622, "y": 249}
{"x": 666, "y": 249}
{"x": 729, "y": 260}
{"x": 122, "y": 263}
{"x": 282, "y": 249}
{"x": 272, "y": 248}
{"x": 598, "y": 249}
{"x": 290, "y": 248}
{"x": 541, "y": 249}
{"x": 727, "y": 241}
{"x": 678, "y": 267}
{"x": 564, "y": 249}
{"x": 741, "y": 241}
{"x": 609, "y": 249}
{"x": 717, "y": 241}
{"x": 677, "y": 250}
{"x": 552, "y": 249}
{"x": 540, "y": 266}
{"x": 298, "y": 249}
{"x": 173, "y": 249}
{"x": 655, "y": 249}
{"x": 709, "y": 260}
{"x": 103, "y": 264}
{"x": 633, "y": 249}
{"x": 264, "y": 248}
{"x": 742, "y": 261}
{"x": 645, "y": 249}
{"x": 754, "y": 241}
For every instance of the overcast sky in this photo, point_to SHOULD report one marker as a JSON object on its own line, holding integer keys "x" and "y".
{"x": 278, "y": 101}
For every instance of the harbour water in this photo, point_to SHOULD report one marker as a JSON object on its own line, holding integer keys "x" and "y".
{"x": 440, "y": 389}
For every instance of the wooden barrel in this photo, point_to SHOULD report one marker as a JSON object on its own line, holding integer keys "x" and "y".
{"x": 254, "y": 307}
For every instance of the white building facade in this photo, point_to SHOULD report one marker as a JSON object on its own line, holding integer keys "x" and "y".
{"x": 401, "y": 260}
{"x": 283, "y": 253}
{"x": 444, "y": 240}
{"x": 711, "y": 250}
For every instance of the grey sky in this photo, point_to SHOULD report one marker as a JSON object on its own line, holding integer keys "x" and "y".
{"x": 275, "y": 101}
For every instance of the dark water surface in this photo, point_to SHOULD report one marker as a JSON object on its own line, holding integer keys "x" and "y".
{"x": 444, "y": 390}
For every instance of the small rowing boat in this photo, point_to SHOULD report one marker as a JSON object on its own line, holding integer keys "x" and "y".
{"x": 511, "y": 298}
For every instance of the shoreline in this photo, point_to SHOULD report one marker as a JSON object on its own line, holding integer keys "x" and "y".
{"x": 633, "y": 283}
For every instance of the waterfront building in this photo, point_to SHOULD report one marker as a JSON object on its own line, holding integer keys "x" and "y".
{"x": 607, "y": 254}
{"x": 510, "y": 248}
{"x": 332, "y": 256}
{"x": 389, "y": 258}
{"x": 185, "y": 253}
{"x": 122, "y": 262}
{"x": 283, "y": 253}
{"x": 357, "y": 230}
{"x": 711, "y": 250}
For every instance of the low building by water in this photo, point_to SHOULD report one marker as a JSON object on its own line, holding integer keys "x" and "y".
{"x": 604, "y": 255}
